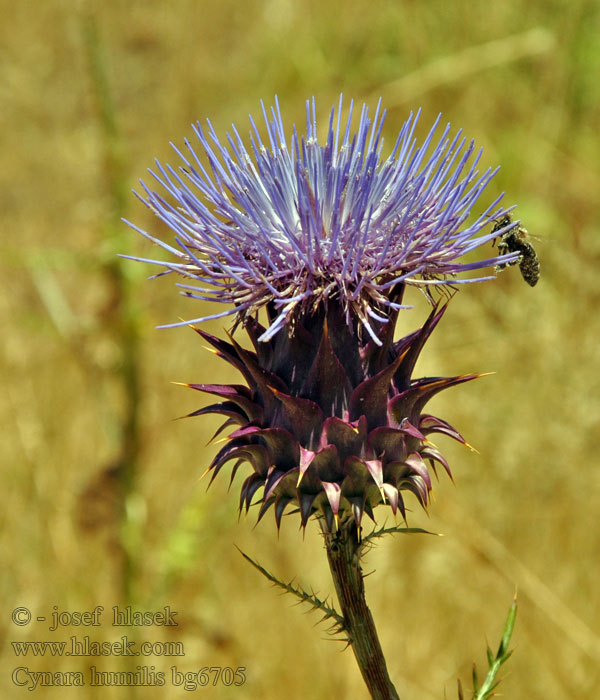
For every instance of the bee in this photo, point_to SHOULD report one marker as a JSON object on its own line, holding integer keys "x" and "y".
{"x": 517, "y": 241}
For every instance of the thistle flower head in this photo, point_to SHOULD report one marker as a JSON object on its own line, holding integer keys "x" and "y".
{"x": 326, "y": 238}
{"x": 296, "y": 223}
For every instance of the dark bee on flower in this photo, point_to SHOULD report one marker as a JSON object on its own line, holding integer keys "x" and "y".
{"x": 516, "y": 240}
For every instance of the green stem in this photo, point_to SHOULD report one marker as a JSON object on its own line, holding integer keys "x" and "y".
{"x": 120, "y": 315}
{"x": 344, "y": 561}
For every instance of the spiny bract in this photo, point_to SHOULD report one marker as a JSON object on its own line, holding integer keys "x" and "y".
{"x": 329, "y": 424}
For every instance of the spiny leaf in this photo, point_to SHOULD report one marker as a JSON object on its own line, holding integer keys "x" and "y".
{"x": 508, "y": 630}
{"x": 486, "y": 690}
{"x": 394, "y": 530}
{"x": 316, "y": 603}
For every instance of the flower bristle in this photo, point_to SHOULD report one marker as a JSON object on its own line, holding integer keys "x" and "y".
{"x": 292, "y": 224}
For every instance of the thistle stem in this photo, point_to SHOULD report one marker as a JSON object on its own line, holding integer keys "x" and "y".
{"x": 344, "y": 562}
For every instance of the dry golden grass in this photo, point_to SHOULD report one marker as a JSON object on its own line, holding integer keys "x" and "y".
{"x": 520, "y": 78}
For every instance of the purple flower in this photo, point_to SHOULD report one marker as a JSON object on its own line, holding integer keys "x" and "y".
{"x": 297, "y": 223}
{"x": 326, "y": 239}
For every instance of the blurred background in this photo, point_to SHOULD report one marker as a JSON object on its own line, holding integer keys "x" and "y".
{"x": 103, "y": 502}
